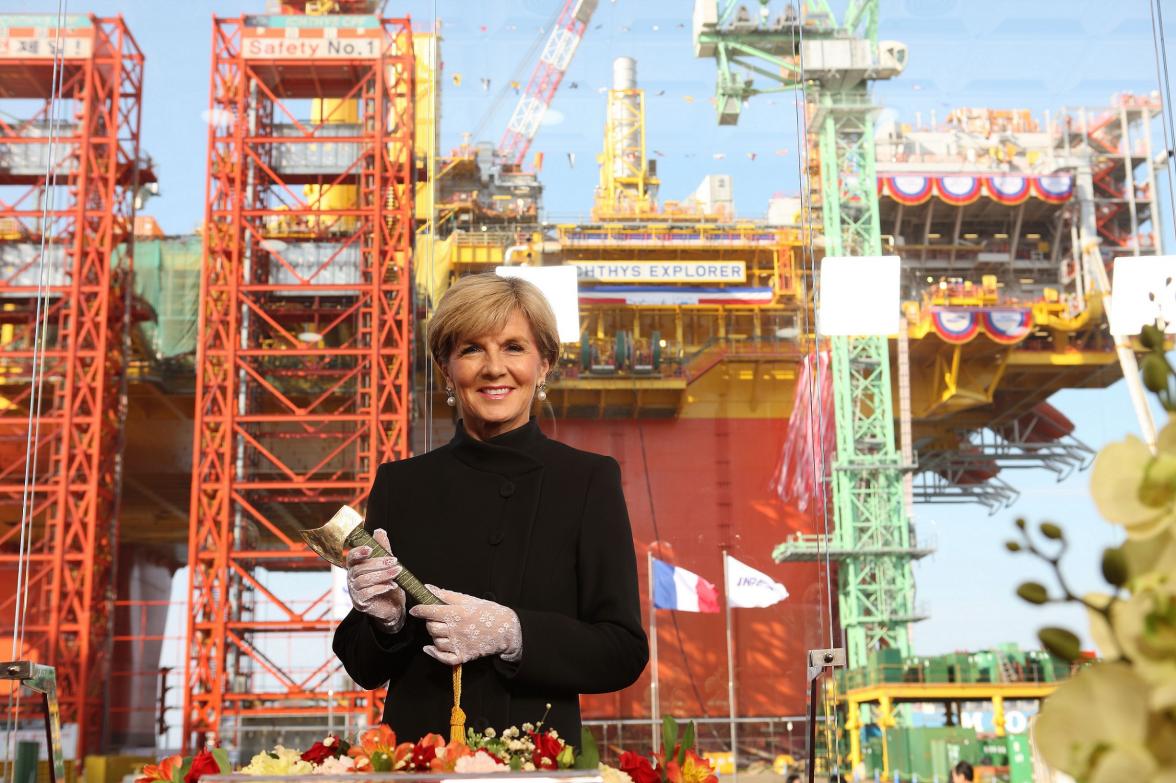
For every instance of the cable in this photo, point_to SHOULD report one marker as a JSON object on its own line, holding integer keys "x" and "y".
{"x": 36, "y": 397}
{"x": 808, "y": 263}
{"x": 1160, "y": 49}
{"x": 816, "y": 412}
{"x": 517, "y": 76}
{"x": 657, "y": 537}
{"x": 431, "y": 154}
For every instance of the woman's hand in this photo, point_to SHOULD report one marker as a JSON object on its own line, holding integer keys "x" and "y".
{"x": 371, "y": 587}
{"x": 465, "y": 628}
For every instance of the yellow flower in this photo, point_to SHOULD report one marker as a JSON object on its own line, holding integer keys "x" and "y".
{"x": 1132, "y": 488}
{"x": 1094, "y": 727}
{"x": 279, "y": 761}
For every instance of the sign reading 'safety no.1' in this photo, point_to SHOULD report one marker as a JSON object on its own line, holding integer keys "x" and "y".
{"x": 662, "y": 271}
{"x": 264, "y": 43}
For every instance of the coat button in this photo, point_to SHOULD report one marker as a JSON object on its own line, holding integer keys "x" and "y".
{"x": 507, "y": 489}
{"x": 495, "y": 538}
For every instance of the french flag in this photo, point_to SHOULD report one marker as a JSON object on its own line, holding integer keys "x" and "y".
{"x": 679, "y": 589}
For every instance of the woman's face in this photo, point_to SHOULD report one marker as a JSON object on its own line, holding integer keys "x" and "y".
{"x": 494, "y": 377}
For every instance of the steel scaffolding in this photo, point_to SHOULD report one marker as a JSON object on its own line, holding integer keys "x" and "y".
{"x": 834, "y": 64}
{"x": 68, "y": 175}
{"x": 303, "y": 377}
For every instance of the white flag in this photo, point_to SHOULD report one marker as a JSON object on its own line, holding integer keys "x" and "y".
{"x": 751, "y": 589}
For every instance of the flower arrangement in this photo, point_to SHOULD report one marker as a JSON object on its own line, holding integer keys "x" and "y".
{"x": 526, "y": 748}
{"x": 177, "y": 769}
{"x": 679, "y": 765}
{"x": 1116, "y": 719}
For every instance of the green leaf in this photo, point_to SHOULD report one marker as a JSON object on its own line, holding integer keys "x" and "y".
{"x": 1012, "y": 546}
{"x": 669, "y": 734}
{"x": 222, "y": 760}
{"x": 566, "y": 757}
{"x": 589, "y": 757}
{"x": 1033, "y": 592}
{"x": 1051, "y": 531}
{"x": 1061, "y": 643}
{"x": 1114, "y": 567}
{"x": 688, "y": 737}
{"x": 185, "y": 767}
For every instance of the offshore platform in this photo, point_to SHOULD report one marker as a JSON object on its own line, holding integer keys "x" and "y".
{"x": 191, "y": 402}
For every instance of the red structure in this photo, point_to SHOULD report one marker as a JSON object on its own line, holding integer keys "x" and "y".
{"x": 304, "y": 345}
{"x": 68, "y": 175}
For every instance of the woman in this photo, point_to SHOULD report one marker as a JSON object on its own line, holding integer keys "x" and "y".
{"x": 528, "y": 541}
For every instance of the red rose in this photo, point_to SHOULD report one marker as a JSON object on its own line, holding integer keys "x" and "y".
{"x": 547, "y": 750}
{"x": 318, "y": 752}
{"x": 204, "y": 764}
{"x": 639, "y": 768}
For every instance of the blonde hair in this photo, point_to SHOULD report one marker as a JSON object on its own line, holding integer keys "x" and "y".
{"x": 482, "y": 304}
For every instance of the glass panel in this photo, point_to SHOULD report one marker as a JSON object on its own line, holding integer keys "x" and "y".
{"x": 202, "y": 396}
{"x": 1006, "y": 154}
{"x": 694, "y": 332}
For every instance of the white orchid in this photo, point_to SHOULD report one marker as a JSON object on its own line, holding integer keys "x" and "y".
{"x": 1095, "y": 727}
{"x": 1135, "y": 489}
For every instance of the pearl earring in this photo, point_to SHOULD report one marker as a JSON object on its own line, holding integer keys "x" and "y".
{"x": 542, "y": 393}
{"x": 450, "y": 400}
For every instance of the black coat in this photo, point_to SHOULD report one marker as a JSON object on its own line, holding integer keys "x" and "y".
{"x": 527, "y": 522}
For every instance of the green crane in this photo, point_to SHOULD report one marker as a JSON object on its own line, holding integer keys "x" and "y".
{"x": 761, "y": 51}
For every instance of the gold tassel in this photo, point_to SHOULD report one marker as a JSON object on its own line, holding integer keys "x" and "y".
{"x": 457, "y": 717}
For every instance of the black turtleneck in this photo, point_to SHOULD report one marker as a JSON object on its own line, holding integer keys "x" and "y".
{"x": 527, "y": 522}
{"x": 512, "y": 452}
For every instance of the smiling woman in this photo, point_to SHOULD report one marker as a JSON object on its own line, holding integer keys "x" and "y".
{"x": 495, "y": 340}
{"x": 530, "y": 536}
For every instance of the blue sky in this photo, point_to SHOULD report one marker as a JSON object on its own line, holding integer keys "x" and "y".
{"x": 1042, "y": 55}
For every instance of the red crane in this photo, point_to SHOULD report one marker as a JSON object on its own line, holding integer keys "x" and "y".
{"x": 545, "y": 79}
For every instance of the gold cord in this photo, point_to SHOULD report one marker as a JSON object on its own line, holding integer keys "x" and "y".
{"x": 457, "y": 717}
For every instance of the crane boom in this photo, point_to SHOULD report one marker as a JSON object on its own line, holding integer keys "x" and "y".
{"x": 549, "y": 72}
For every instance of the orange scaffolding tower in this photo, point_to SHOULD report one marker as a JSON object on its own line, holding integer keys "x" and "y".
{"x": 68, "y": 176}
{"x": 302, "y": 383}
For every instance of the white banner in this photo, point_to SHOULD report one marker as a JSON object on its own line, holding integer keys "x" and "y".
{"x": 663, "y": 271}
{"x": 751, "y": 589}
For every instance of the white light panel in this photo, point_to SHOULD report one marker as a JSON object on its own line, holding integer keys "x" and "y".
{"x": 859, "y": 296}
{"x": 1136, "y": 278}
{"x": 561, "y": 287}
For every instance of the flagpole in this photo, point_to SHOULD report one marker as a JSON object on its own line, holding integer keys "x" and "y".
{"x": 730, "y": 669}
{"x": 654, "y": 695}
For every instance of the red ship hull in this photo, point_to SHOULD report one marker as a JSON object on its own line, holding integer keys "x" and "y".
{"x": 694, "y": 488}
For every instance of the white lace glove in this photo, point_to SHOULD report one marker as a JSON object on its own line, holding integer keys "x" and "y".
{"x": 465, "y": 628}
{"x": 370, "y": 585}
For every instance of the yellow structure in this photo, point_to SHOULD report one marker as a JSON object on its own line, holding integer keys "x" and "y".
{"x": 628, "y": 188}
{"x": 885, "y": 697}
